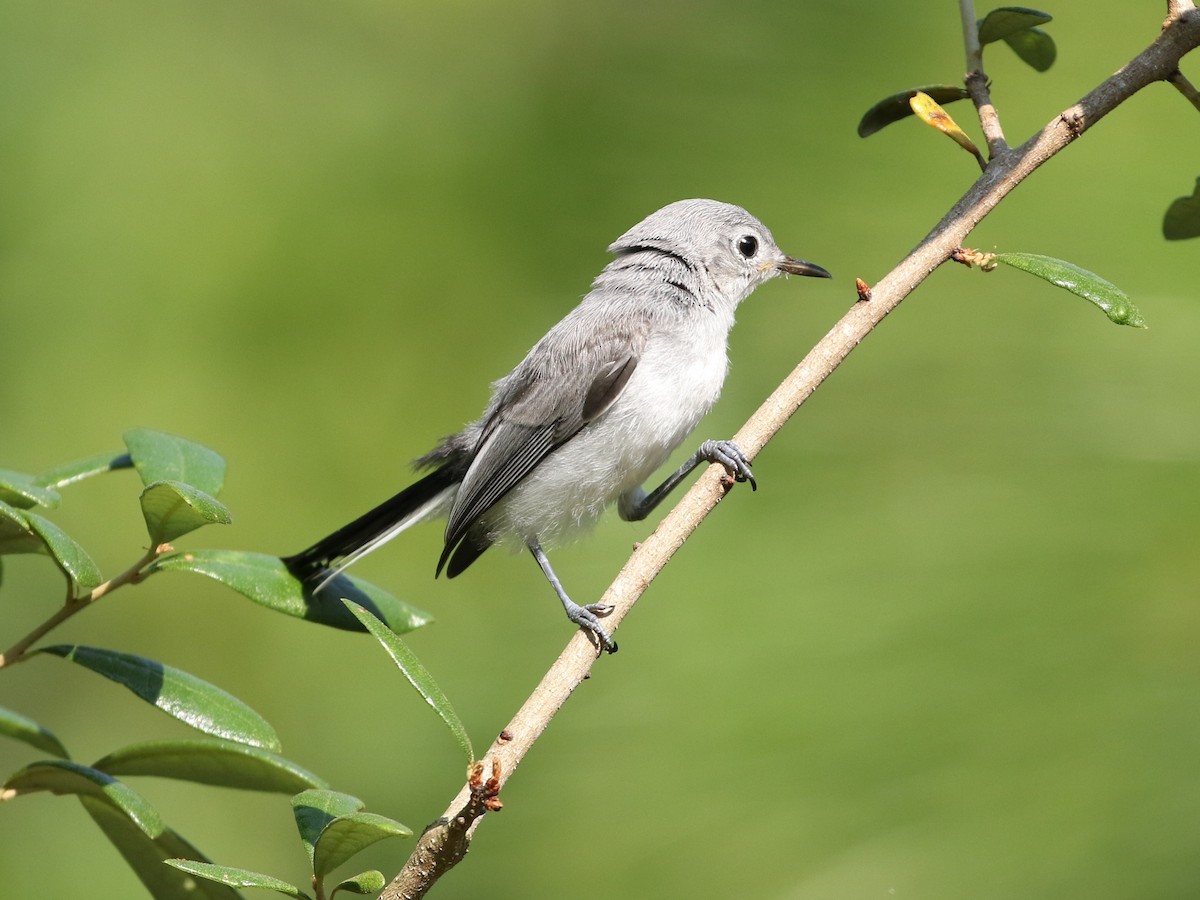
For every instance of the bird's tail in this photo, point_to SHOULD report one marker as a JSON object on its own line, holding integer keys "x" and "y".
{"x": 332, "y": 555}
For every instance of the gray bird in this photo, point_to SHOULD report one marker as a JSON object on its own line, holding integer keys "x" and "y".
{"x": 594, "y": 409}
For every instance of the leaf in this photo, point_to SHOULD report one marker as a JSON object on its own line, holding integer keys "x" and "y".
{"x": 75, "y": 562}
{"x": 896, "y": 107}
{"x": 1182, "y": 220}
{"x": 347, "y": 835}
{"x": 315, "y": 809}
{"x": 189, "y": 699}
{"x": 23, "y": 491}
{"x": 1106, "y": 295}
{"x": 20, "y": 728}
{"x": 1034, "y": 47}
{"x": 369, "y": 882}
{"x": 145, "y": 856}
{"x": 165, "y": 457}
{"x": 80, "y": 469}
{"x": 241, "y": 878}
{"x": 266, "y": 580}
{"x": 928, "y": 111}
{"x": 1004, "y": 21}
{"x": 16, "y": 536}
{"x": 173, "y": 508}
{"x": 60, "y": 776}
{"x": 211, "y": 762}
{"x": 417, "y": 676}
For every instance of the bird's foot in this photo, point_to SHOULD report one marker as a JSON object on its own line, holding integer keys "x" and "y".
{"x": 729, "y": 455}
{"x": 588, "y": 618}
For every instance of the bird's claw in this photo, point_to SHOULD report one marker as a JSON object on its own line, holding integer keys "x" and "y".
{"x": 729, "y": 455}
{"x": 588, "y": 618}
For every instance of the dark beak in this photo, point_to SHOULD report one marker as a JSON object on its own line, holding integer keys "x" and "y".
{"x": 800, "y": 267}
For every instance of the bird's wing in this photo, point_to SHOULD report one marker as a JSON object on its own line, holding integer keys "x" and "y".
{"x": 541, "y": 406}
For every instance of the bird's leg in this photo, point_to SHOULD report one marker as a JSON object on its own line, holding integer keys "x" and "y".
{"x": 586, "y": 617}
{"x": 636, "y": 505}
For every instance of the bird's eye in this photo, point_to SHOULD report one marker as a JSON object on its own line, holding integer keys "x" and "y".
{"x": 748, "y": 245}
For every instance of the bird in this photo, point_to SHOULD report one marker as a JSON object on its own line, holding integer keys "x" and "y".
{"x": 593, "y": 410}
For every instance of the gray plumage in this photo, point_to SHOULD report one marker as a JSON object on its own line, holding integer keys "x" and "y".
{"x": 595, "y": 407}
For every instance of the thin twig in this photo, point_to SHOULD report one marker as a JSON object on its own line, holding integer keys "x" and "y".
{"x": 443, "y": 845}
{"x": 977, "y": 82}
{"x": 132, "y": 575}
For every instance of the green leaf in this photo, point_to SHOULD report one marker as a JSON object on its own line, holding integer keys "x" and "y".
{"x": 146, "y": 855}
{"x": 1004, "y": 21}
{"x": 60, "y": 776}
{"x": 417, "y": 675}
{"x": 16, "y": 536}
{"x": 23, "y": 491}
{"x": 242, "y": 878}
{"x": 173, "y": 508}
{"x": 80, "y": 469}
{"x": 1034, "y": 47}
{"x": 266, "y": 580}
{"x": 896, "y": 107}
{"x": 18, "y": 727}
{"x": 347, "y": 835}
{"x": 165, "y": 457}
{"x": 75, "y": 562}
{"x": 211, "y": 762}
{"x": 189, "y": 699}
{"x": 369, "y": 882}
{"x": 1106, "y": 295}
{"x": 1182, "y": 220}
{"x": 315, "y": 809}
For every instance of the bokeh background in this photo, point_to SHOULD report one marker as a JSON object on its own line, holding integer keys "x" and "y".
{"x": 948, "y": 649}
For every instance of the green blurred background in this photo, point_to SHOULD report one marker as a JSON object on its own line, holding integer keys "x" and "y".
{"x": 948, "y": 649}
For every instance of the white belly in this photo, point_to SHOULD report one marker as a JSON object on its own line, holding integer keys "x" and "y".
{"x": 665, "y": 398}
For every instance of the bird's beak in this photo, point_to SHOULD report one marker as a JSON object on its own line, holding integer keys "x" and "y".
{"x": 800, "y": 267}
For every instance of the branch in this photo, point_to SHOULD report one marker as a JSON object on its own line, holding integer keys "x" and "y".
{"x": 132, "y": 575}
{"x": 977, "y": 82}
{"x": 446, "y": 841}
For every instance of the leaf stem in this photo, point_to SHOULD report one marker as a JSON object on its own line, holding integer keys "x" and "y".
{"x": 1185, "y": 87}
{"x": 17, "y": 652}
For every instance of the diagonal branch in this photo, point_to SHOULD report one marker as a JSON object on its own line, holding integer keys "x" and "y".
{"x": 444, "y": 842}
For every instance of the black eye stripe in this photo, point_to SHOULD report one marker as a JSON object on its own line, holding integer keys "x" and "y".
{"x": 747, "y": 245}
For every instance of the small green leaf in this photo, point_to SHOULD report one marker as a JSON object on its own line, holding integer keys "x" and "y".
{"x": 347, "y": 835}
{"x": 61, "y": 476}
{"x": 1104, "y": 294}
{"x": 896, "y": 107}
{"x": 1034, "y": 47}
{"x": 315, "y": 809}
{"x": 369, "y": 882}
{"x": 60, "y": 776}
{"x": 173, "y": 508}
{"x": 266, "y": 580}
{"x": 146, "y": 855}
{"x": 23, "y": 491}
{"x": 211, "y": 762}
{"x": 187, "y": 698}
{"x": 417, "y": 675}
{"x": 236, "y": 878}
{"x": 165, "y": 457}
{"x": 1007, "y": 20}
{"x": 1182, "y": 220}
{"x": 18, "y": 727}
{"x": 16, "y": 536}
{"x": 75, "y": 562}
